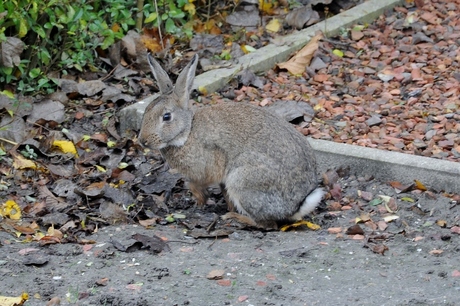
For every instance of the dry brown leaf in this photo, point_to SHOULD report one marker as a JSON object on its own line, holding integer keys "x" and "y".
{"x": 354, "y": 230}
{"x": 379, "y": 248}
{"x": 299, "y": 62}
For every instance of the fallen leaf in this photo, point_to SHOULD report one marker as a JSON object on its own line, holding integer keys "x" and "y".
{"x": 337, "y": 52}
{"x": 14, "y": 301}
{"x": 379, "y": 248}
{"x": 419, "y": 185}
{"x": 407, "y": 199}
{"x": 20, "y": 162}
{"x": 390, "y": 218}
{"x": 456, "y": 273}
{"x": 399, "y": 187}
{"x": 310, "y": 225}
{"x": 10, "y": 209}
{"x": 298, "y": 63}
{"x": 364, "y": 217}
{"x": 274, "y": 25}
{"x": 242, "y": 298}
{"x": 354, "y": 230}
{"x": 154, "y": 243}
{"x": 65, "y": 146}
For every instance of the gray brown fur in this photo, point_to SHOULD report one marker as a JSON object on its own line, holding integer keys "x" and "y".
{"x": 265, "y": 165}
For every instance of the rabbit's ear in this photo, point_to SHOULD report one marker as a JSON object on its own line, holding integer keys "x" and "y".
{"x": 185, "y": 81}
{"x": 164, "y": 82}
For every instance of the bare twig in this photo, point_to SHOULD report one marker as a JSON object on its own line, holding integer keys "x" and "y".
{"x": 159, "y": 24}
{"x": 8, "y": 141}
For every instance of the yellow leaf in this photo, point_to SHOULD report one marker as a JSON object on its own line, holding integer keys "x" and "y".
{"x": 266, "y": 6}
{"x": 65, "y": 146}
{"x": 22, "y": 28}
{"x": 20, "y": 162}
{"x": 419, "y": 185}
{"x": 203, "y": 90}
{"x": 248, "y": 49}
{"x": 111, "y": 144}
{"x": 38, "y": 236}
{"x": 297, "y": 64}
{"x": 7, "y": 93}
{"x": 190, "y": 7}
{"x": 14, "y": 301}
{"x": 101, "y": 169}
{"x": 310, "y": 225}
{"x": 116, "y": 27}
{"x": 337, "y": 52}
{"x": 274, "y": 25}
{"x": 11, "y": 210}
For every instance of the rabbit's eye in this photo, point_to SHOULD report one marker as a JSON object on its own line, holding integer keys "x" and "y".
{"x": 167, "y": 117}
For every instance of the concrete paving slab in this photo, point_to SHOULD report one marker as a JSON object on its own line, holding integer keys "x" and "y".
{"x": 383, "y": 165}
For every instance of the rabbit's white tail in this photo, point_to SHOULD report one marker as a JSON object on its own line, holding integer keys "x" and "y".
{"x": 309, "y": 204}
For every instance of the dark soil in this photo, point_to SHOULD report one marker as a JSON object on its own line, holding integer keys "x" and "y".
{"x": 414, "y": 261}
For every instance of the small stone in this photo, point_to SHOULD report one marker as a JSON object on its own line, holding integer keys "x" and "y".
{"x": 374, "y": 120}
{"x": 419, "y": 144}
{"x": 317, "y": 64}
{"x": 356, "y": 35}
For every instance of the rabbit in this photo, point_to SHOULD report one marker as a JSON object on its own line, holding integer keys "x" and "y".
{"x": 266, "y": 168}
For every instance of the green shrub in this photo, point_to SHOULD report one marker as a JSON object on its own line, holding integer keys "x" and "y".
{"x": 64, "y": 35}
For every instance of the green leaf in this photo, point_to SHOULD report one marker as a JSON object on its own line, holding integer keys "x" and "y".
{"x": 108, "y": 41}
{"x": 151, "y": 17}
{"x": 177, "y": 13}
{"x": 22, "y": 28}
{"x": 375, "y": 202}
{"x": 407, "y": 199}
{"x": 39, "y": 30}
{"x": 7, "y": 93}
{"x": 170, "y": 27}
{"x": 111, "y": 144}
{"x": 34, "y": 73}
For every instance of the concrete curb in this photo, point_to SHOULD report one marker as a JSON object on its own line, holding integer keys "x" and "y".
{"x": 386, "y": 166}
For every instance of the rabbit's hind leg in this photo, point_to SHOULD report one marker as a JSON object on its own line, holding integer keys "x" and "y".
{"x": 199, "y": 192}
